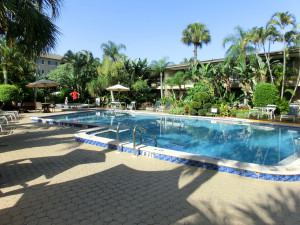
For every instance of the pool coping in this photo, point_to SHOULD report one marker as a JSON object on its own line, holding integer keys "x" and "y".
{"x": 286, "y": 170}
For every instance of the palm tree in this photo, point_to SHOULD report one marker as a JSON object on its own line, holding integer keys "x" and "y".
{"x": 159, "y": 67}
{"x": 112, "y": 50}
{"x": 78, "y": 62}
{"x": 22, "y": 20}
{"x": 239, "y": 45}
{"x": 282, "y": 21}
{"x": 8, "y": 55}
{"x": 196, "y": 34}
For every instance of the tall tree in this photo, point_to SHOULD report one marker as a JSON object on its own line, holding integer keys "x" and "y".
{"x": 196, "y": 34}
{"x": 7, "y": 55}
{"x": 283, "y": 21}
{"x": 239, "y": 46}
{"x": 78, "y": 62}
{"x": 159, "y": 67}
{"x": 27, "y": 22}
{"x": 112, "y": 50}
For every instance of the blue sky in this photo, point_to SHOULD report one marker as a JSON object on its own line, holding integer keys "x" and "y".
{"x": 152, "y": 29}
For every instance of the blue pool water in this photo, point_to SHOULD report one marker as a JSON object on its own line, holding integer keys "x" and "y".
{"x": 264, "y": 145}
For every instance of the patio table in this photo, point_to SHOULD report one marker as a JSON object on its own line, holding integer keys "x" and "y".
{"x": 46, "y": 107}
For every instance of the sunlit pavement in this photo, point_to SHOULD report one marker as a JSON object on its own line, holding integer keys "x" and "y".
{"x": 48, "y": 178}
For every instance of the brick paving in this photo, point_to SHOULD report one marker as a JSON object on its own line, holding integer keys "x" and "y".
{"x": 48, "y": 178}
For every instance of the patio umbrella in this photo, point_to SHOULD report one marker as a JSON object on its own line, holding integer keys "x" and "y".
{"x": 116, "y": 87}
{"x": 42, "y": 83}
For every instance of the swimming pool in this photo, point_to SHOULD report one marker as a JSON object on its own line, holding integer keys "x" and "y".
{"x": 246, "y": 142}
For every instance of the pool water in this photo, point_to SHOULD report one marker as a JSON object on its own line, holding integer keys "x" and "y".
{"x": 264, "y": 145}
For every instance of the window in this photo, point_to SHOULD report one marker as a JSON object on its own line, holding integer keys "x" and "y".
{"x": 52, "y": 63}
{"x": 41, "y": 71}
{"x": 41, "y": 61}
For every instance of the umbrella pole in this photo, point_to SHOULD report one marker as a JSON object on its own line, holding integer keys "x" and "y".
{"x": 35, "y": 94}
{"x": 112, "y": 96}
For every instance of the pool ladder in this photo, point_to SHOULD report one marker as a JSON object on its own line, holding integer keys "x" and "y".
{"x": 138, "y": 129}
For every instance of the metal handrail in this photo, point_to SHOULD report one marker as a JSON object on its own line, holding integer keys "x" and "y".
{"x": 141, "y": 137}
{"x": 118, "y": 131}
{"x": 88, "y": 102}
{"x": 134, "y": 138}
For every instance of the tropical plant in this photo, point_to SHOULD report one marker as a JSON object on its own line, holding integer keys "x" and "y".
{"x": 196, "y": 34}
{"x": 282, "y": 106}
{"x": 245, "y": 74}
{"x": 283, "y": 21}
{"x": 64, "y": 75}
{"x": 84, "y": 69}
{"x": 159, "y": 67}
{"x": 180, "y": 79}
{"x": 186, "y": 60}
{"x": 142, "y": 92}
{"x": 112, "y": 50}
{"x": 224, "y": 109}
{"x": 27, "y": 21}
{"x": 239, "y": 47}
{"x": 137, "y": 70}
{"x": 8, "y": 57}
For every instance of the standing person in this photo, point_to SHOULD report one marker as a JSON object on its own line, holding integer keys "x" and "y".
{"x": 66, "y": 101}
{"x": 75, "y": 96}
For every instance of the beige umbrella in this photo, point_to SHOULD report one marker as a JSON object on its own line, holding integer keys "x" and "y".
{"x": 116, "y": 87}
{"x": 43, "y": 83}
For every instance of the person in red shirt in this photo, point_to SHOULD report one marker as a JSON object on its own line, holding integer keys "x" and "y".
{"x": 75, "y": 95}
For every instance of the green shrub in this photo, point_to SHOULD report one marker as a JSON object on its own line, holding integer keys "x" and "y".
{"x": 196, "y": 105}
{"x": 282, "y": 106}
{"x": 202, "y": 112}
{"x": 242, "y": 113}
{"x": 177, "y": 111}
{"x": 8, "y": 93}
{"x": 234, "y": 112}
{"x": 207, "y": 106}
{"x": 265, "y": 94}
{"x": 201, "y": 97}
{"x": 193, "y": 112}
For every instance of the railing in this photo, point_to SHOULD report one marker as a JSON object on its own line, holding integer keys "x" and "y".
{"x": 141, "y": 137}
{"x": 88, "y": 102}
{"x": 118, "y": 134}
{"x": 135, "y": 129}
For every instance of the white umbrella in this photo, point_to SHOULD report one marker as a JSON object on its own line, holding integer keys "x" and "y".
{"x": 116, "y": 87}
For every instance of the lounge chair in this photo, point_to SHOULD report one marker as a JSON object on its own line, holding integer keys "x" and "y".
{"x": 131, "y": 106}
{"x": 155, "y": 107}
{"x": 9, "y": 115}
{"x": 254, "y": 112}
{"x": 38, "y": 106}
{"x": 292, "y": 114}
{"x": 115, "y": 105}
{"x": 3, "y": 120}
{"x": 14, "y": 112}
{"x": 167, "y": 107}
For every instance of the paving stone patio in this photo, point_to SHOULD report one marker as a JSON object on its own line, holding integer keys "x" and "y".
{"x": 48, "y": 178}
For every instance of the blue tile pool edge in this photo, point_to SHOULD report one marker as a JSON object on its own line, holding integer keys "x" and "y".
{"x": 189, "y": 162}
